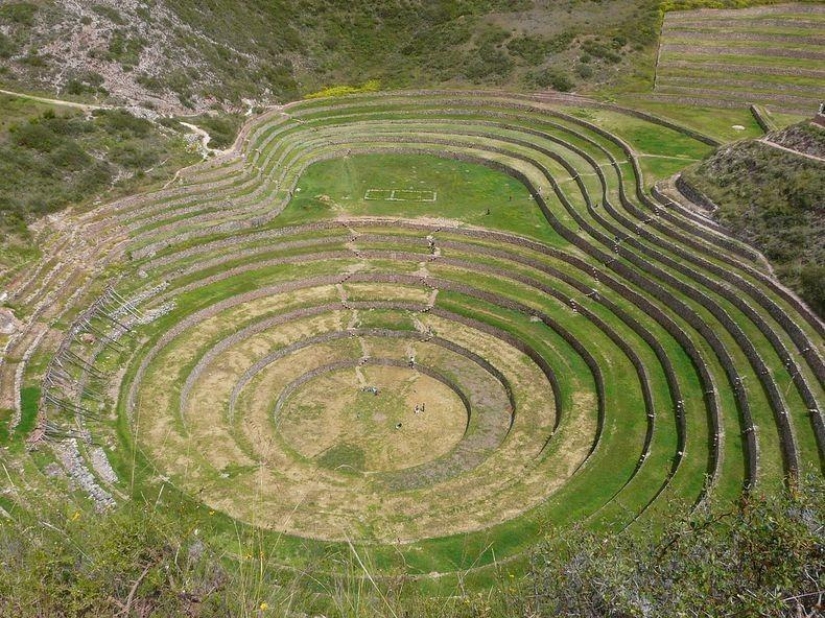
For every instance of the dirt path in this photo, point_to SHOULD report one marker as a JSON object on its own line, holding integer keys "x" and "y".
{"x": 792, "y": 151}
{"x": 84, "y": 106}
{"x": 205, "y": 139}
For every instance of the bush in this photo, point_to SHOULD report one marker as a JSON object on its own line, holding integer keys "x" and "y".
{"x": 33, "y": 59}
{"x": 492, "y": 35}
{"x": 36, "y": 136}
{"x": 70, "y": 156}
{"x": 110, "y": 13}
{"x": 123, "y": 123}
{"x": 552, "y": 78}
{"x": 87, "y": 82}
{"x": 764, "y": 557}
{"x": 772, "y": 199}
{"x": 7, "y": 46}
{"x": 123, "y": 48}
{"x": 99, "y": 566}
{"x": 531, "y": 49}
{"x": 21, "y": 13}
{"x": 487, "y": 63}
{"x": 602, "y": 51}
{"x": 150, "y": 82}
{"x": 133, "y": 157}
{"x": 813, "y": 287}
{"x": 534, "y": 49}
{"x": 585, "y": 71}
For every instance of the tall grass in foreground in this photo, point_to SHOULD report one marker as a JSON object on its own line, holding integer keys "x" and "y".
{"x": 765, "y": 557}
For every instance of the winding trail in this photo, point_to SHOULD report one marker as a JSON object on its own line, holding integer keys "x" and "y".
{"x": 767, "y": 142}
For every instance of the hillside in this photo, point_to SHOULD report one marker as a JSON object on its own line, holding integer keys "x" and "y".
{"x": 775, "y": 199}
{"x": 53, "y": 157}
{"x": 323, "y": 308}
{"x": 178, "y": 55}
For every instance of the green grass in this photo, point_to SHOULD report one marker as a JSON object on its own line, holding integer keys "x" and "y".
{"x": 29, "y": 404}
{"x": 5, "y": 421}
{"x": 715, "y": 122}
{"x": 466, "y": 192}
{"x": 663, "y": 151}
{"x": 502, "y": 549}
{"x": 602, "y": 496}
{"x": 730, "y": 38}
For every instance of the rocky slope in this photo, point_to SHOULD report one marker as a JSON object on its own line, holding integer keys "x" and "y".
{"x": 183, "y": 56}
{"x": 771, "y": 193}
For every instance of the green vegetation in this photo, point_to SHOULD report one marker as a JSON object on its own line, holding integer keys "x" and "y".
{"x": 631, "y": 423}
{"x": 462, "y": 192}
{"x": 343, "y": 457}
{"x": 400, "y": 44}
{"x": 29, "y": 403}
{"x": 52, "y": 157}
{"x": 581, "y": 45}
{"x": 773, "y": 199}
{"x": 812, "y": 280}
{"x": 689, "y": 5}
{"x": 756, "y": 559}
{"x": 741, "y": 57}
{"x": 725, "y": 125}
{"x": 372, "y": 85}
{"x": 222, "y": 128}
{"x": 49, "y": 162}
{"x": 426, "y": 186}
{"x": 764, "y": 557}
{"x": 19, "y": 13}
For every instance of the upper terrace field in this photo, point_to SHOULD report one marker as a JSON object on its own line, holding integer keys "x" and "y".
{"x": 768, "y": 55}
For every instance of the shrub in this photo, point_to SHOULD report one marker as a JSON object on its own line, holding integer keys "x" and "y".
{"x": 534, "y": 49}
{"x": 487, "y": 62}
{"x": 585, "y": 71}
{"x": 531, "y": 49}
{"x": 133, "y": 156}
{"x": 110, "y": 13}
{"x": 123, "y": 48}
{"x": 602, "y": 51}
{"x": 372, "y": 85}
{"x": 552, "y": 78}
{"x": 7, "y": 46}
{"x": 36, "y": 136}
{"x": 772, "y": 199}
{"x": 150, "y": 82}
{"x": 69, "y": 156}
{"x": 813, "y": 287}
{"x": 21, "y": 13}
{"x": 33, "y": 59}
{"x": 87, "y": 82}
{"x": 123, "y": 123}
{"x": 492, "y": 35}
{"x": 764, "y": 557}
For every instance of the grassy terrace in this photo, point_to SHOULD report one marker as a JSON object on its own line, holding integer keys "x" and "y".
{"x": 769, "y": 55}
{"x": 616, "y": 363}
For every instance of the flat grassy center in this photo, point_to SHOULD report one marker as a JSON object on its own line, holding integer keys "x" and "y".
{"x": 412, "y": 185}
{"x": 338, "y": 421}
